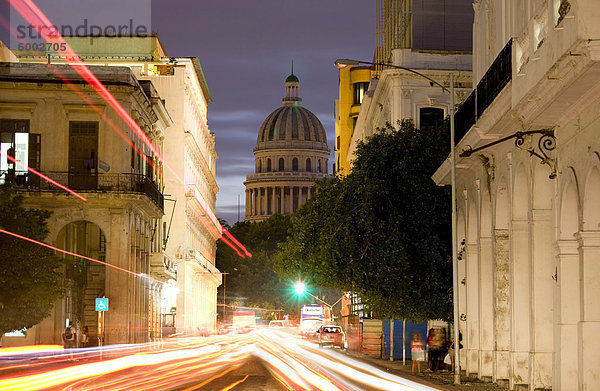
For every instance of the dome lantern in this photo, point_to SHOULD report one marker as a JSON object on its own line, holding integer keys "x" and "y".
{"x": 292, "y": 89}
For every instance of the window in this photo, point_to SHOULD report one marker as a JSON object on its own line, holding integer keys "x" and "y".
{"x": 319, "y": 165}
{"x": 430, "y": 117}
{"x": 281, "y": 164}
{"x": 308, "y": 167}
{"x": 269, "y": 165}
{"x": 18, "y": 143}
{"x": 295, "y": 164}
{"x": 259, "y": 167}
{"x": 359, "y": 92}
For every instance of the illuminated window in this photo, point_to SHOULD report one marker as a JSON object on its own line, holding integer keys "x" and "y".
{"x": 15, "y": 141}
{"x": 359, "y": 92}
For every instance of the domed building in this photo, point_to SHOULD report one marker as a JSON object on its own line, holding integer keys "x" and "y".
{"x": 291, "y": 153}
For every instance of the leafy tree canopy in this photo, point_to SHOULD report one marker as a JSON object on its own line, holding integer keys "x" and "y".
{"x": 30, "y": 282}
{"x": 383, "y": 231}
{"x": 252, "y": 282}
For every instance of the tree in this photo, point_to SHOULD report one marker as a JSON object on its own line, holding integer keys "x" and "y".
{"x": 382, "y": 231}
{"x": 252, "y": 281}
{"x": 30, "y": 282}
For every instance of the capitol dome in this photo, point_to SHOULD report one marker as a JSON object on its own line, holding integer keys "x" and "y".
{"x": 291, "y": 153}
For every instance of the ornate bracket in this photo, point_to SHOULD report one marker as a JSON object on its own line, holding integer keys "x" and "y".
{"x": 546, "y": 144}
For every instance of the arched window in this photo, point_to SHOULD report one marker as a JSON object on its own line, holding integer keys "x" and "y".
{"x": 308, "y": 167}
{"x": 259, "y": 167}
{"x": 319, "y": 165}
{"x": 281, "y": 164}
{"x": 269, "y": 165}
{"x": 295, "y": 164}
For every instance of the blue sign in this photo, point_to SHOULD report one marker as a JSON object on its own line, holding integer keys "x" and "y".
{"x": 102, "y": 304}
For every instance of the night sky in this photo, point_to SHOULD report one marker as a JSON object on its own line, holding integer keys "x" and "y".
{"x": 246, "y": 48}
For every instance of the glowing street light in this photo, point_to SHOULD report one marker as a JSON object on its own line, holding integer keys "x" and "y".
{"x": 300, "y": 287}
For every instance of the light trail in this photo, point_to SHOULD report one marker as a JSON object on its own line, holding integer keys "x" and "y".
{"x": 42, "y": 24}
{"x": 140, "y": 275}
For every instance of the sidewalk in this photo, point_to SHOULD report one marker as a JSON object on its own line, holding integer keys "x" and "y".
{"x": 442, "y": 380}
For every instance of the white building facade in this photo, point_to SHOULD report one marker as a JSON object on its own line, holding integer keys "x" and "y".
{"x": 192, "y": 229}
{"x": 528, "y": 205}
{"x": 400, "y": 94}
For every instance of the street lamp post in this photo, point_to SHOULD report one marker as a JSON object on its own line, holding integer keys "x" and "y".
{"x": 341, "y": 63}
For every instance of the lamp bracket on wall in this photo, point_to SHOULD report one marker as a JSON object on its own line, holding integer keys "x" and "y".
{"x": 546, "y": 143}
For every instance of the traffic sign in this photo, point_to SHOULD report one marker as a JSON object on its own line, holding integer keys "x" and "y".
{"x": 102, "y": 304}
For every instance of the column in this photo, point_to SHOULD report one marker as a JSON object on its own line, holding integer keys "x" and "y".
{"x": 502, "y": 304}
{"x": 589, "y": 327}
{"x": 291, "y": 200}
{"x": 263, "y": 199}
{"x": 567, "y": 314}
{"x": 118, "y": 291}
{"x": 273, "y": 200}
{"x": 247, "y": 202}
{"x": 281, "y": 200}
{"x": 542, "y": 290}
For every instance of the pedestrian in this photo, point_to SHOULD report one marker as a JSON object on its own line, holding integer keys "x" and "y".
{"x": 451, "y": 350}
{"x": 436, "y": 343}
{"x": 417, "y": 353}
{"x": 85, "y": 337}
{"x": 70, "y": 338}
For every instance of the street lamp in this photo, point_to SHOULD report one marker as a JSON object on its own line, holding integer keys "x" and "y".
{"x": 300, "y": 289}
{"x": 344, "y": 62}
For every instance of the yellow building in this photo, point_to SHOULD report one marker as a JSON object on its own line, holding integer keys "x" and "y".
{"x": 353, "y": 85}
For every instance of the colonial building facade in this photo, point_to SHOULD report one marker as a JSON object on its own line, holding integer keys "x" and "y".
{"x": 48, "y": 126}
{"x": 189, "y": 228}
{"x": 528, "y": 206}
{"x": 291, "y": 152}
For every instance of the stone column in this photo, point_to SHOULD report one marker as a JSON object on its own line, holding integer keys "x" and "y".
{"x": 502, "y": 318}
{"x": 281, "y": 204}
{"x": 542, "y": 290}
{"x": 291, "y": 200}
{"x": 273, "y": 200}
{"x": 590, "y": 325}
{"x": 567, "y": 312}
{"x": 263, "y": 204}
{"x": 247, "y": 202}
{"x": 521, "y": 301}
{"x": 117, "y": 319}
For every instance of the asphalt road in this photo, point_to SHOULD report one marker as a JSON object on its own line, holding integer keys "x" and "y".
{"x": 262, "y": 360}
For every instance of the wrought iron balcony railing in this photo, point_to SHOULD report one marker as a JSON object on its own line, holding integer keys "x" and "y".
{"x": 118, "y": 183}
{"x": 491, "y": 84}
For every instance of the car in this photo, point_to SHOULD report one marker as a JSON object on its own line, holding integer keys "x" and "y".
{"x": 331, "y": 335}
{"x": 276, "y": 324}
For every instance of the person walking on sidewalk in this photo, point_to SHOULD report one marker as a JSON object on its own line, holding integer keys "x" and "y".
{"x": 436, "y": 343}
{"x": 417, "y": 353}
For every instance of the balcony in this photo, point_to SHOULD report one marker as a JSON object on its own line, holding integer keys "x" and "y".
{"x": 491, "y": 84}
{"x": 114, "y": 183}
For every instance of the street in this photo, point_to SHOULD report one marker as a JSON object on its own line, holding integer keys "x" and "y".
{"x": 261, "y": 360}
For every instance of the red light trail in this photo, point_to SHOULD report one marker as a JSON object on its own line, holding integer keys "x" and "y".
{"x": 65, "y": 188}
{"x": 141, "y": 275}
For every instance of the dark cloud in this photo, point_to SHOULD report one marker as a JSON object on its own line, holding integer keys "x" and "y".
{"x": 246, "y": 48}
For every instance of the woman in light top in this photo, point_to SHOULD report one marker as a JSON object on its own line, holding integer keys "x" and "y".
{"x": 417, "y": 353}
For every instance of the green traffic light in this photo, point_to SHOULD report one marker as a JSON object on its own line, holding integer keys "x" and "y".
{"x": 300, "y": 287}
